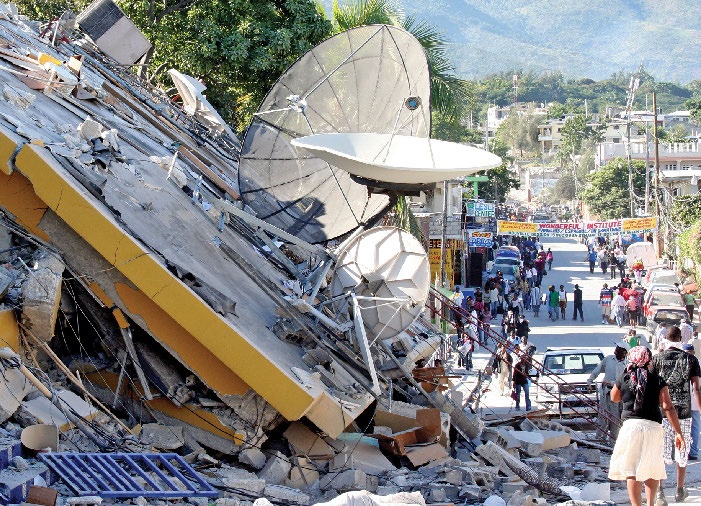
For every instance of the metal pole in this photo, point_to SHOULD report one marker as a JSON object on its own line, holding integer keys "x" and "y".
{"x": 647, "y": 168}
{"x": 657, "y": 174}
{"x": 444, "y": 230}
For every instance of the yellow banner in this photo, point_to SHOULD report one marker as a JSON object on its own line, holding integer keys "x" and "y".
{"x": 640, "y": 224}
{"x": 516, "y": 227}
{"x": 434, "y": 260}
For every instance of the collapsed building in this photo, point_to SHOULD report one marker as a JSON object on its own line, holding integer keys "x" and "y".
{"x": 166, "y": 287}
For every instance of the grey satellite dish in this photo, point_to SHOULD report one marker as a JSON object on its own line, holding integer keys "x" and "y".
{"x": 367, "y": 79}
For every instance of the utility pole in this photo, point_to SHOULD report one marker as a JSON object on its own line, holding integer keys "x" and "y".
{"x": 660, "y": 246}
{"x": 633, "y": 87}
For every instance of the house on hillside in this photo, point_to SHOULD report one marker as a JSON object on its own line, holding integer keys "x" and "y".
{"x": 497, "y": 115}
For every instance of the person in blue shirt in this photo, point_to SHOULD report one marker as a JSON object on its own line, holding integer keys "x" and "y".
{"x": 592, "y": 261}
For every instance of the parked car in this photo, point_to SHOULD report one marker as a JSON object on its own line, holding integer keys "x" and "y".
{"x": 671, "y": 315}
{"x": 665, "y": 297}
{"x": 563, "y": 382}
{"x": 508, "y": 252}
{"x": 666, "y": 276}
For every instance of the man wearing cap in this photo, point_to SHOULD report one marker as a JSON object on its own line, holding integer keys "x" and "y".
{"x": 681, "y": 372}
{"x": 612, "y": 367}
{"x": 577, "y": 295}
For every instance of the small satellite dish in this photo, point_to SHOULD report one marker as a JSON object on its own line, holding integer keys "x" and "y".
{"x": 388, "y": 263}
{"x": 400, "y": 159}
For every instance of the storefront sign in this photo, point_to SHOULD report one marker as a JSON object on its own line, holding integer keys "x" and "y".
{"x": 480, "y": 239}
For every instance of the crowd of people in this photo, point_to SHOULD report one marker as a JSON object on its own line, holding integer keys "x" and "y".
{"x": 650, "y": 390}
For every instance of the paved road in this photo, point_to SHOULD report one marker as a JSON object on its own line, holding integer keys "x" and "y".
{"x": 570, "y": 267}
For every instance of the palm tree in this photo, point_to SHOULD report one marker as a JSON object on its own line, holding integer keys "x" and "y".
{"x": 450, "y": 95}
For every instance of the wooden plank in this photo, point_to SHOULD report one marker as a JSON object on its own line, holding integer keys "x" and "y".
{"x": 213, "y": 176}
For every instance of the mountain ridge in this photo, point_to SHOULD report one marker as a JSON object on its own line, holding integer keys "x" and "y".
{"x": 582, "y": 40}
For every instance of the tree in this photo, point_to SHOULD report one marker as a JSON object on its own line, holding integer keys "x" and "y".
{"x": 608, "y": 193}
{"x": 694, "y": 107}
{"x": 451, "y": 96}
{"x": 519, "y": 132}
{"x": 238, "y": 47}
{"x": 686, "y": 209}
{"x": 565, "y": 187}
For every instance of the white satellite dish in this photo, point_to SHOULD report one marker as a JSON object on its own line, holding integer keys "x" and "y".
{"x": 195, "y": 104}
{"x": 384, "y": 263}
{"x": 400, "y": 159}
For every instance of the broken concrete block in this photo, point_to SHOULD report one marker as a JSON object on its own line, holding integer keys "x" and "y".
{"x": 14, "y": 387}
{"x": 306, "y": 443}
{"x": 363, "y": 456}
{"x": 560, "y": 470}
{"x": 242, "y": 479}
{"x": 90, "y": 129}
{"x": 252, "y": 457}
{"x": 287, "y": 494}
{"x": 574, "y": 454}
{"x": 41, "y": 410}
{"x": 554, "y": 439}
{"x": 531, "y": 442}
{"x": 302, "y": 475}
{"x": 439, "y": 492}
{"x": 469, "y": 493}
{"x": 371, "y": 483}
{"x": 276, "y": 469}
{"x": 452, "y": 476}
{"x": 351, "y": 479}
{"x": 162, "y": 437}
{"x": 511, "y": 487}
{"x": 41, "y": 292}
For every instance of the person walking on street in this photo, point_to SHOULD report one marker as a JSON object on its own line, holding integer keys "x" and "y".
{"x": 603, "y": 261}
{"x": 549, "y": 259}
{"x": 613, "y": 264}
{"x": 695, "y": 416}
{"x": 618, "y": 304}
{"x": 612, "y": 366}
{"x": 632, "y": 308}
{"x": 535, "y": 300}
{"x": 522, "y": 327}
{"x": 681, "y": 372}
{"x": 520, "y": 381}
{"x": 635, "y": 457}
{"x": 592, "y": 260}
{"x": 605, "y": 296}
{"x": 687, "y": 330}
{"x": 553, "y": 303}
{"x": 562, "y": 301}
{"x": 690, "y": 304}
{"x": 577, "y": 303}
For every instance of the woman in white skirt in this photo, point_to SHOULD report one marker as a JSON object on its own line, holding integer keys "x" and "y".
{"x": 637, "y": 456}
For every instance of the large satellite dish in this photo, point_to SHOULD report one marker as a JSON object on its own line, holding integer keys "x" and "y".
{"x": 399, "y": 159}
{"x": 367, "y": 79}
{"x": 384, "y": 263}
